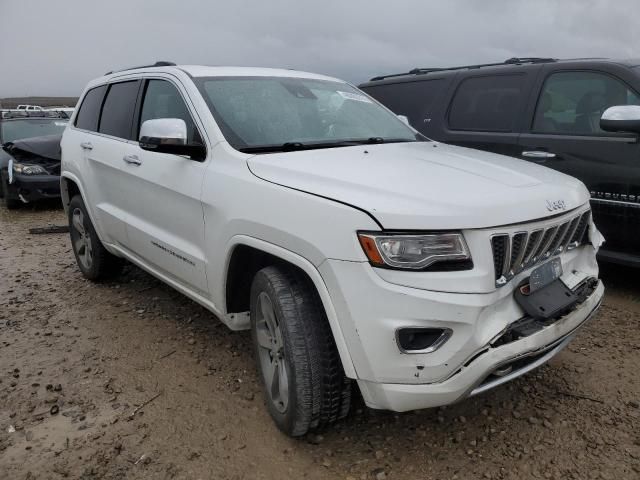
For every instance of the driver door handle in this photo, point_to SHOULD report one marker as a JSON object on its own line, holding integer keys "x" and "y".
{"x": 132, "y": 160}
{"x": 538, "y": 154}
{"x": 86, "y": 146}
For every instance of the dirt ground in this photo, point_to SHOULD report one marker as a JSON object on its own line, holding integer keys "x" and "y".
{"x": 131, "y": 380}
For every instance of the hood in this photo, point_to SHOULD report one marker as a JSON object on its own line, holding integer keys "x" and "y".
{"x": 46, "y": 147}
{"x": 426, "y": 185}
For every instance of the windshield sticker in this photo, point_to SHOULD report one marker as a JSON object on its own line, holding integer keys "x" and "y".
{"x": 60, "y": 124}
{"x": 354, "y": 96}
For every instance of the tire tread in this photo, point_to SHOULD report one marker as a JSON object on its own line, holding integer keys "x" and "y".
{"x": 323, "y": 392}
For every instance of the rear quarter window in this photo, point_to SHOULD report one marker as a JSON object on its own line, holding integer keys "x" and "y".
{"x": 89, "y": 111}
{"x": 412, "y": 99}
{"x": 488, "y": 104}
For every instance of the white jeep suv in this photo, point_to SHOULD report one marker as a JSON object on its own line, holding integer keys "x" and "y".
{"x": 355, "y": 249}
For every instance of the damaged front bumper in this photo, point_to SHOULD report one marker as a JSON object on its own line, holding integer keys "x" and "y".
{"x": 488, "y": 368}
{"x": 30, "y": 188}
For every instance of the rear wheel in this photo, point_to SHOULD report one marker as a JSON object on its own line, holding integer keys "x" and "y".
{"x": 94, "y": 261}
{"x": 304, "y": 383}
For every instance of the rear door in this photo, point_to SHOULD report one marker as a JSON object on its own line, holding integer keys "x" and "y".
{"x": 165, "y": 225}
{"x": 486, "y": 110}
{"x": 98, "y": 142}
{"x": 564, "y": 133}
{"x": 108, "y": 148}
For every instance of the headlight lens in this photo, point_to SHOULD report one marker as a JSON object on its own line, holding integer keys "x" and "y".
{"x": 413, "y": 252}
{"x": 25, "y": 169}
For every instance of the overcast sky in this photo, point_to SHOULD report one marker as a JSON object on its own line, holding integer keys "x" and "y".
{"x": 53, "y": 47}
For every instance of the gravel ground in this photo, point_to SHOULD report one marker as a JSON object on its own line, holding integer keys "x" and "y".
{"x": 132, "y": 380}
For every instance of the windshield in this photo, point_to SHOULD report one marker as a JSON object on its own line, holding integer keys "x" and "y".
{"x": 11, "y": 130}
{"x": 284, "y": 113}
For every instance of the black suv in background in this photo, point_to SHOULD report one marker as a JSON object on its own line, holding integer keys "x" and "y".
{"x": 546, "y": 111}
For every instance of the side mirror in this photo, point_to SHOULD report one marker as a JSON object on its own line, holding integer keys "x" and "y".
{"x": 404, "y": 119}
{"x": 622, "y": 118}
{"x": 169, "y": 135}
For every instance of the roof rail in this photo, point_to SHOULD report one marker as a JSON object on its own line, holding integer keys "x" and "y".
{"x": 160, "y": 63}
{"x": 509, "y": 61}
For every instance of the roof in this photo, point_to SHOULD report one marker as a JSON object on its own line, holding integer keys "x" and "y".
{"x": 511, "y": 62}
{"x": 215, "y": 71}
{"x": 205, "y": 71}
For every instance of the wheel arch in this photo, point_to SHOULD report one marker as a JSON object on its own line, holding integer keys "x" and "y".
{"x": 246, "y": 255}
{"x": 69, "y": 187}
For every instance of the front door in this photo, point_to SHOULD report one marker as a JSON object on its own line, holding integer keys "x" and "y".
{"x": 165, "y": 226}
{"x": 565, "y": 135}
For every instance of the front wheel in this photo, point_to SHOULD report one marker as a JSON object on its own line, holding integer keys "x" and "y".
{"x": 94, "y": 261}
{"x": 304, "y": 383}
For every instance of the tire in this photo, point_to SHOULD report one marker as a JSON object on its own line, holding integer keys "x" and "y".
{"x": 297, "y": 340}
{"x": 94, "y": 261}
{"x": 8, "y": 202}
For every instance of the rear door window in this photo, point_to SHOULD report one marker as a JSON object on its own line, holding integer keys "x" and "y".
{"x": 89, "y": 112}
{"x": 572, "y": 103}
{"x": 487, "y": 104}
{"x": 117, "y": 112}
{"x": 412, "y": 99}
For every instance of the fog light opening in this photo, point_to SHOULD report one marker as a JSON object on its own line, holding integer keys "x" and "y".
{"x": 421, "y": 340}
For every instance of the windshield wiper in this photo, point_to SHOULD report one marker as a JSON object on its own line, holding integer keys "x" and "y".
{"x": 294, "y": 146}
{"x": 285, "y": 147}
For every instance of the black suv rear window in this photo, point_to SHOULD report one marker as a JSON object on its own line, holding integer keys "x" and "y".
{"x": 487, "y": 104}
{"x": 412, "y": 99}
{"x": 89, "y": 111}
{"x": 117, "y": 112}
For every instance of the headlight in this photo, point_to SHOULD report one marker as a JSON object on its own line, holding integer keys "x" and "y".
{"x": 25, "y": 169}
{"x": 414, "y": 252}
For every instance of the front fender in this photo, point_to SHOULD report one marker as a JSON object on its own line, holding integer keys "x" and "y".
{"x": 313, "y": 273}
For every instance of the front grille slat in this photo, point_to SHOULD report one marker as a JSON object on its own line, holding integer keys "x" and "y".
{"x": 573, "y": 226}
{"x": 534, "y": 242}
{"x": 578, "y": 236}
{"x": 506, "y": 266}
{"x": 557, "y": 241}
{"x": 519, "y": 246}
{"x": 549, "y": 234}
{"x": 499, "y": 247}
{"x": 514, "y": 252}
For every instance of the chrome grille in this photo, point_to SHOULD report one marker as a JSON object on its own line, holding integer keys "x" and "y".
{"x": 522, "y": 249}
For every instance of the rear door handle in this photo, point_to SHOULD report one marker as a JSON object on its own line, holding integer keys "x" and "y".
{"x": 132, "y": 160}
{"x": 86, "y": 146}
{"x": 538, "y": 154}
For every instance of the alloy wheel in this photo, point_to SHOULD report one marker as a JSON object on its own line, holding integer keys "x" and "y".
{"x": 81, "y": 239}
{"x": 271, "y": 353}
